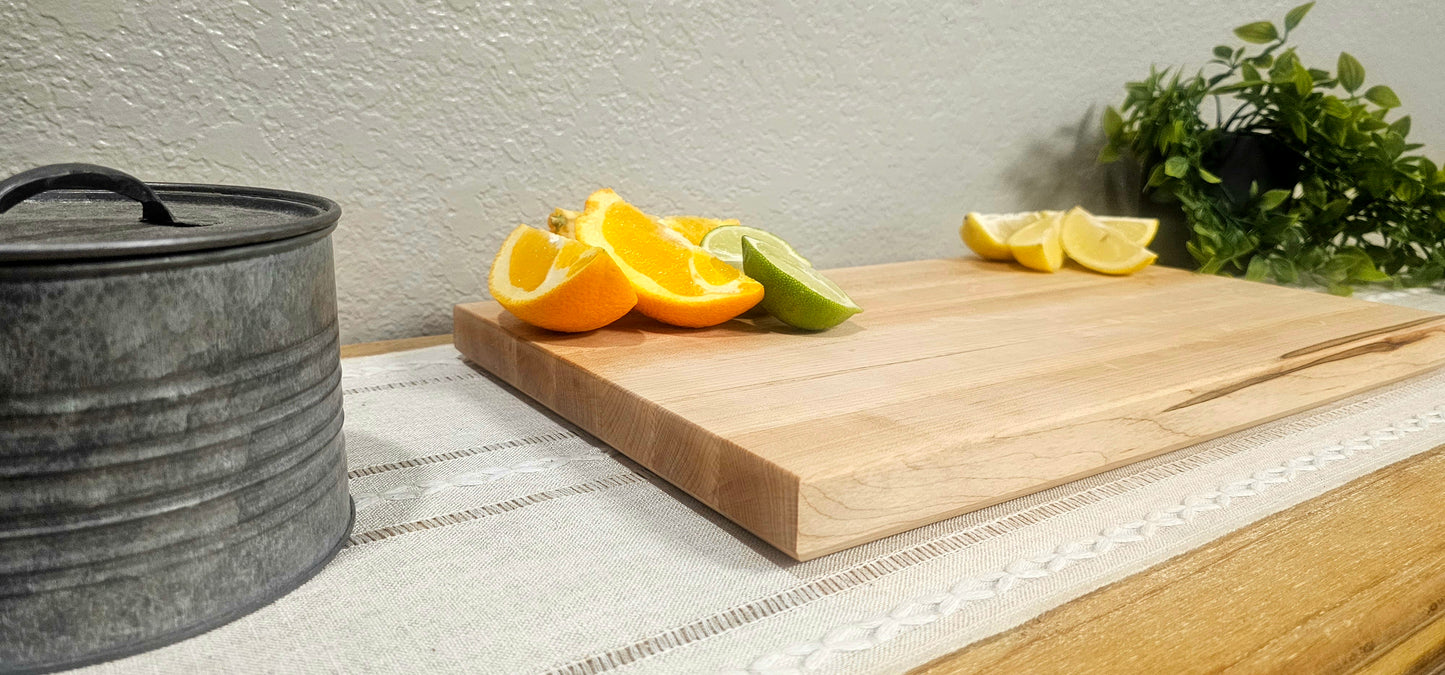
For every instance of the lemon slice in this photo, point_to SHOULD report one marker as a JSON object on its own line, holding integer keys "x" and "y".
{"x": 1100, "y": 247}
{"x": 1139, "y": 230}
{"x": 1037, "y": 246}
{"x": 987, "y": 234}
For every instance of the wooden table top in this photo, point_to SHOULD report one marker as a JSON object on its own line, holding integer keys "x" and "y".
{"x": 1351, "y": 581}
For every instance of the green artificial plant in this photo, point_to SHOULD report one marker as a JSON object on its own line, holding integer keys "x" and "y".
{"x": 1356, "y": 206}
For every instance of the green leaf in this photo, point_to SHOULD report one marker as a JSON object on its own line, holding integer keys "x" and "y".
{"x": 1352, "y": 74}
{"x": 1393, "y": 144}
{"x": 1334, "y": 107}
{"x": 1259, "y": 32}
{"x": 1263, "y": 60}
{"x": 1372, "y": 124}
{"x": 1157, "y": 177}
{"x": 1176, "y": 166}
{"x": 1248, "y": 72}
{"x": 1440, "y": 213}
{"x": 1284, "y": 270}
{"x": 1401, "y": 126}
{"x": 1303, "y": 82}
{"x": 1360, "y": 267}
{"x": 1258, "y": 268}
{"x": 1334, "y": 210}
{"x": 1296, "y": 15}
{"x": 1282, "y": 72}
{"x": 1223, "y": 52}
{"x": 1238, "y": 86}
{"x": 1383, "y": 96}
{"x": 1209, "y": 177}
{"x": 1298, "y": 126}
{"x": 1108, "y": 154}
{"x": 1112, "y": 122}
{"x": 1273, "y": 198}
{"x": 1408, "y": 190}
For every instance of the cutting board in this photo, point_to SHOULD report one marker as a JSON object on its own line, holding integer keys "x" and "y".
{"x": 962, "y": 384}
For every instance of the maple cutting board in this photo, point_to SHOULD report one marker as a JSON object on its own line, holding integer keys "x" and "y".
{"x": 962, "y": 384}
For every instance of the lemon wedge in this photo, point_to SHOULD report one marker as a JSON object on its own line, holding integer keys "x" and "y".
{"x": 1099, "y": 247}
{"x": 1038, "y": 246}
{"x": 987, "y": 234}
{"x": 1139, "y": 230}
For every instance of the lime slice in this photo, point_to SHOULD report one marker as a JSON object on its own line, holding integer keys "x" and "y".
{"x": 794, "y": 292}
{"x": 726, "y": 243}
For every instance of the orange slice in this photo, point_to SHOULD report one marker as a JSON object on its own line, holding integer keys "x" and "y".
{"x": 563, "y": 222}
{"x": 677, "y": 282}
{"x": 557, "y": 283}
{"x": 694, "y": 228}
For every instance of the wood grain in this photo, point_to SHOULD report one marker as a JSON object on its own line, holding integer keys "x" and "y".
{"x": 963, "y": 384}
{"x": 389, "y": 346}
{"x": 1352, "y": 580}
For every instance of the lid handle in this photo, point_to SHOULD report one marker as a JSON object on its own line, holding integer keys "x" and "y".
{"x": 27, "y": 184}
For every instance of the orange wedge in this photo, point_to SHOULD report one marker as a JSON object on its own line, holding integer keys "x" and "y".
{"x": 557, "y": 283}
{"x": 677, "y": 282}
{"x": 694, "y": 228}
{"x": 563, "y": 222}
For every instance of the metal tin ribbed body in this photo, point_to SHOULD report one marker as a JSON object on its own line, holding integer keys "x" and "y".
{"x": 171, "y": 454}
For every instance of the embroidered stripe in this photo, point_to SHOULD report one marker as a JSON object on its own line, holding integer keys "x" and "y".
{"x": 402, "y": 385}
{"x": 869, "y": 633}
{"x": 877, "y": 568}
{"x": 499, "y": 508}
{"x": 458, "y": 454}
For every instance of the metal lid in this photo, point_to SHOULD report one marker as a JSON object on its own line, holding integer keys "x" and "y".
{"x": 85, "y": 212}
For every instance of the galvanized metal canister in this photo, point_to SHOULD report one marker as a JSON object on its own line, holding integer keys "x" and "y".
{"x": 171, "y": 454}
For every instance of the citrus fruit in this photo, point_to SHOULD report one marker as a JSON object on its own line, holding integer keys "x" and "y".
{"x": 796, "y": 294}
{"x": 677, "y": 282}
{"x": 1139, "y": 230}
{"x": 987, "y": 234}
{"x": 563, "y": 222}
{"x": 1037, "y": 245}
{"x": 557, "y": 283}
{"x": 1100, "y": 247}
{"x": 727, "y": 244}
{"x": 694, "y": 228}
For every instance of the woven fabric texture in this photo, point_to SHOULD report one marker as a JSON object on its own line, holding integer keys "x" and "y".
{"x": 493, "y": 537}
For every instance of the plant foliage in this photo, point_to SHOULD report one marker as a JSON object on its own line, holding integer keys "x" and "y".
{"x": 1364, "y": 209}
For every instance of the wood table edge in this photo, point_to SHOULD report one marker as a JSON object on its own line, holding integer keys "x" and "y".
{"x": 1418, "y": 646}
{"x": 354, "y": 350}
{"x": 1409, "y": 635}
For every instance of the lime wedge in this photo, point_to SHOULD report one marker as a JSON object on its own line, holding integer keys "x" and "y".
{"x": 726, "y": 243}
{"x": 794, "y": 292}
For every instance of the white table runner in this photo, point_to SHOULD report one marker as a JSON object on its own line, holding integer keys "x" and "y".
{"x": 492, "y": 537}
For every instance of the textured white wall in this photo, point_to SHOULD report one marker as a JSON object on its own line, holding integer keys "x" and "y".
{"x": 859, "y": 131}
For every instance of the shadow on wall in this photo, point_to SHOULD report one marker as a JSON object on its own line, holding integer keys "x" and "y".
{"x": 1061, "y": 170}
